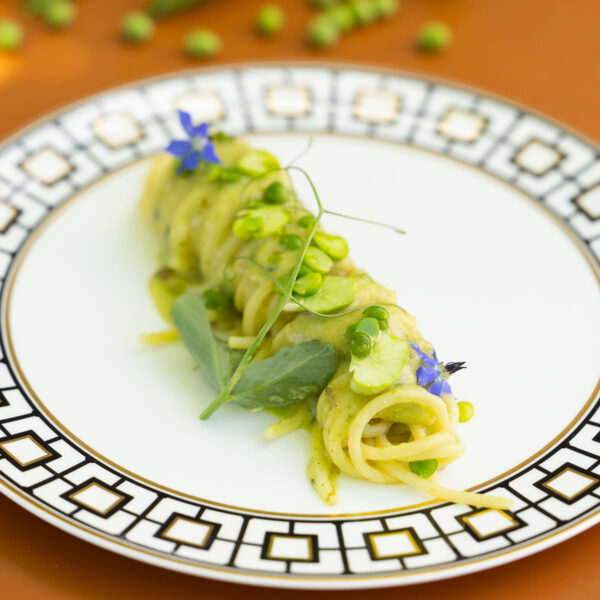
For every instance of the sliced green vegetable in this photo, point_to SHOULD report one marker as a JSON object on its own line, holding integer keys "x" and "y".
{"x": 277, "y": 193}
{"x": 308, "y": 284}
{"x": 381, "y": 368}
{"x": 260, "y": 222}
{"x": 424, "y": 468}
{"x": 317, "y": 260}
{"x": 213, "y": 356}
{"x": 292, "y": 375}
{"x": 247, "y": 226}
{"x": 257, "y": 162}
{"x": 368, "y": 325}
{"x": 334, "y": 294}
{"x": 333, "y": 245}
{"x": 465, "y": 411}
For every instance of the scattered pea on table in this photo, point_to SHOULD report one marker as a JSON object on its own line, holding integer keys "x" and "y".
{"x": 434, "y": 36}
{"x": 59, "y": 14}
{"x": 11, "y": 34}
{"x": 202, "y": 43}
{"x": 270, "y": 20}
{"x": 137, "y": 27}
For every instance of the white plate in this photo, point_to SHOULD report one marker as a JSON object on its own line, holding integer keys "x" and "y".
{"x": 100, "y": 436}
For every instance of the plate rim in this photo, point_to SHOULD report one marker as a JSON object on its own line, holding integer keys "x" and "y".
{"x": 291, "y": 580}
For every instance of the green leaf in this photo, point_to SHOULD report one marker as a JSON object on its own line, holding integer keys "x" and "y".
{"x": 292, "y": 375}
{"x": 214, "y": 357}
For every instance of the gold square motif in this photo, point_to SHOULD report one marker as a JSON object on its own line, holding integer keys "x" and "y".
{"x": 25, "y": 450}
{"x": 394, "y": 544}
{"x": 490, "y": 522}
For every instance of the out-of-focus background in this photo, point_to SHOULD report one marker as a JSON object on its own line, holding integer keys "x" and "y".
{"x": 542, "y": 53}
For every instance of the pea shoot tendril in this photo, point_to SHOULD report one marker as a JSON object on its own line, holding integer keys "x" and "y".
{"x": 287, "y": 288}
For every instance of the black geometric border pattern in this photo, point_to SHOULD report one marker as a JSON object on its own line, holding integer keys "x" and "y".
{"x": 556, "y": 491}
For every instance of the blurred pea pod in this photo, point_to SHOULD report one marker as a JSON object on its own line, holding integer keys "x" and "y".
{"x": 164, "y": 8}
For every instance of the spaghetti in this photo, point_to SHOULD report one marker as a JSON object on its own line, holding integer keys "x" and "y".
{"x": 377, "y": 436}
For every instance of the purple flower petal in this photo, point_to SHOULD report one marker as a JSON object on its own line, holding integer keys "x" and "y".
{"x": 436, "y": 388}
{"x": 209, "y": 154}
{"x": 430, "y": 361}
{"x": 425, "y": 375}
{"x": 190, "y": 162}
{"x": 186, "y": 122}
{"x": 201, "y": 130}
{"x": 439, "y": 387}
{"x": 179, "y": 148}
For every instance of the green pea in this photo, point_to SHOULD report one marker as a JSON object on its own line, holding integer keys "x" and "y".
{"x": 291, "y": 241}
{"x": 366, "y": 11}
{"x": 217, "y": 300}
{"x": 361, "y": 345}
{"x": 245, "y": 227}
{"x": 383, "y": 325}
{"x": 11, "y": 34}
{"x": 59, "y": 13}
{"x": 306, "y": 221}
{"x": 368, "y": 325}
{"x": 377, "y": 312}
{"x": 424, "y": 468}
{"x": 309, "y": 284}
{"x": 323, "y": 32}
{"x": 270, "y": 20}
{"x": 387, "y": 8}
{"x": 349, "y": 333}
{"x": 317, "y": 260}
{"x": 343, "y": 16}
{"x": 465, "y": 411}
{"x": 202, "y": 43}
{"x": 434, "y": 36}
{"x": 336, "y": 247}
{"x": 277, "y": 193}
{"x": 257, "y": 162}
{"x": 137, "y": 27}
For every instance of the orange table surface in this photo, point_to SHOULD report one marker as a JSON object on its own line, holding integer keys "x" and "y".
{"x": 542, "y": 53}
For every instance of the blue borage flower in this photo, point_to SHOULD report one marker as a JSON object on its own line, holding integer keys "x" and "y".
{"x": 198, "y": 147}
{"x": 435, "y": 373}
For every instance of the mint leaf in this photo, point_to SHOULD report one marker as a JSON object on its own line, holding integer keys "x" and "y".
{"x": 214, "y": 357}
{"x": 292, "y": 375}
